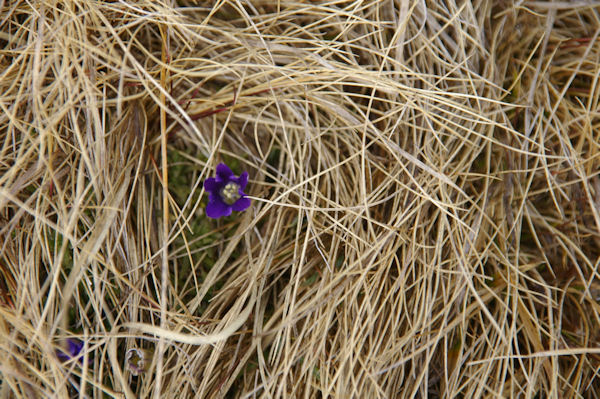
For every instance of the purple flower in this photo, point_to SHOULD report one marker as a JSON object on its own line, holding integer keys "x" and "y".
{"x": 226, "y": 192}
{"x": 74, "y": 348}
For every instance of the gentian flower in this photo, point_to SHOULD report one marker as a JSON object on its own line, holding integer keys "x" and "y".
{"x": 226, "y": 193}
{"x": 74, "y": 348}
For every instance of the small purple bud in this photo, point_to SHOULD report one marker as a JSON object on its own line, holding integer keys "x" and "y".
{"x": 74, "y": 348}
{"x": 138, "y": 360}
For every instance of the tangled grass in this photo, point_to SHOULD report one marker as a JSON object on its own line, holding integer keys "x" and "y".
{"x": 426, "y": 199}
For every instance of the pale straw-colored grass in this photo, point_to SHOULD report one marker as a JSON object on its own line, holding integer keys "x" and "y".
{"x": 426, "y": 199}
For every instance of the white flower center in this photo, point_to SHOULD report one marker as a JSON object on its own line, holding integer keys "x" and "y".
{"x": 230, "y": 193}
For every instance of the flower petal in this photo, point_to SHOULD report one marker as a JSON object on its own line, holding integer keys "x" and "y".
{"x": 242, "y": 180}
{"x": 211, "y": 185}
{"x": 75, "y": 346}
{"x": 217, "y": 208}
{"x": 224, "y": 172}
{"x": 241, "y": 205}
{"x": 62, "y": 356}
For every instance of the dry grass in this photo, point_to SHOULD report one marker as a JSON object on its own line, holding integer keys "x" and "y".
{"x": 426, "y": 213}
